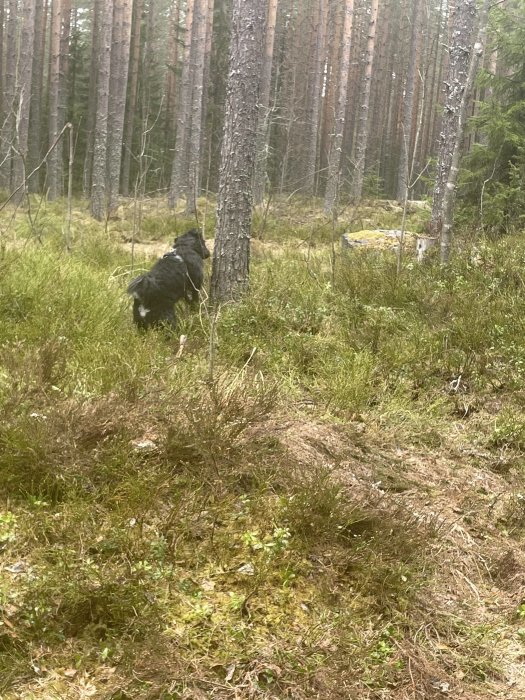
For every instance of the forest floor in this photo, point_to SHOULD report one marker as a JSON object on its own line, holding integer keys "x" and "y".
{"x": 338, "y": 512}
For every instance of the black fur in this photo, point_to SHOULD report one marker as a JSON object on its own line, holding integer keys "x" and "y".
{"x": 177, "y": 275}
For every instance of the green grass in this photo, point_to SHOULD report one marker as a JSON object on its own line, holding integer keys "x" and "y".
{"x": 160, "y": 537}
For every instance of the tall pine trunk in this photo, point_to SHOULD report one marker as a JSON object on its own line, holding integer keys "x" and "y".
{"x": 356, "y": 189}
{"x": 231, "y": 253}
{"x": 54, "y": 162}
{"x": 263, "y": 126}
{"x": 336, "y": 146}
{"x": 200, "y": 24}
{"x": 25, "y": 68}
{"x": 133, "y": 80}
{"x": 35, "y": 116}
{"x": 7, "y": 132}
{"x": 92, "y": 97}
{"x": 180, "y": 156}
{"x": 99, "y": 182}
{"x": 408, "y": 104}
{"x": 117, "y": 106}
{"x": 314, "y": 111}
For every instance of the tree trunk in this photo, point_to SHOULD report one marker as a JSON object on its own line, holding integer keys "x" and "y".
{"x": 171, "y": 80}
{"x": 194, "y": 146}
{"x": 179, "y": 170}
{"x": 25, "y": 67}
{"x": 334, "y": 45}
{"x": 312, "y": 122}
{"x": 134, "y": 69}
{"x": 432, "y": 92}
{"x": 7, "y": 132}
{"x": 207, "y": 135}
{"x": 463, "y": 23}
{"x": 99, "y": 184}
{"x": 35, "y": 116}
{"x": 362, "y": 132}
{"x": 408, "y": 105}
{"x": 334, "y": 157}
{"x": 231, "y": 253}
{"x": 462, "y": 28}
{"x": 54, "y": 162}
{"x": 2, "y": 58}
{"x": 447, "y": 210}
{"x": 263, "y": 125}
{"x": 118, "y": 83}
{"x": 92, "y": 97}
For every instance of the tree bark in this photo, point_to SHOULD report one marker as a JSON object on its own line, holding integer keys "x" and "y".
{"x": 99, "y": 183}
{"x": 362, "y": 132}
{"x": 336, "y": 146}
{"x": 54, "y": 174}
{"x": 134, "y": 69}
{"x": 25, "y": 67}
{"x": 463, "y": 23}
{"x": 35, "y": 116}
{"x": 263, "y": 126}
{"x": 194, "y": 145}
{"x": 7, "y": 132}
{"x": 180, "y": 160}
{"x": 446, "y": 215}
{"x": 171, "y": 79}
{"x": 231, "y": 253}
{"x": 92, "y": 97}
{"x": 313, "y": 115}
{"x": 408, "y": 105}
{"x": 118, "y": 83}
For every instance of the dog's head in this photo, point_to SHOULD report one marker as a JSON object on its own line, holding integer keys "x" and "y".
{"x": 195, "y": 240}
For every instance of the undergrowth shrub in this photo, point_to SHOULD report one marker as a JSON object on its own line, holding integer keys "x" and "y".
{"x": 208, "y": 431}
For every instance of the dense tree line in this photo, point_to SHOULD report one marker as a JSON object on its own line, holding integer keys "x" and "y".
{"x": 351, "y": 95}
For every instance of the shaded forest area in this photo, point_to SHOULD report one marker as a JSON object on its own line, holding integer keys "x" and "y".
{"x": 351, "y": 96}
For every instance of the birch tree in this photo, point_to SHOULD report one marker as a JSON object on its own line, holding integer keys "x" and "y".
{"x": 445, "y": 215}
{"x": 462, "y": 27}
{"x": 231, "y": 253}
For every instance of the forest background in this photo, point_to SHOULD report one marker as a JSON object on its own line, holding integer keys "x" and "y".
{"x": 317, "y": 491}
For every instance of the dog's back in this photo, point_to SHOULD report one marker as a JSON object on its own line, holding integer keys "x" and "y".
{"x": 178, "y": 274}
{"x": 191, "y": 246}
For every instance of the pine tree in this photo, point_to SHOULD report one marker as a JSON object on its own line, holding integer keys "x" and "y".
{"x": 364, "y": 103}
{"x": 99, "y": 183}
{"x": 335, "y": 153}
{"x": 231, "y": 253}
{"x": 117, "y": 105}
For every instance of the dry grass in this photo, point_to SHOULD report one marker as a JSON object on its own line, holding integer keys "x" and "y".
{"x": 323, "y": 519}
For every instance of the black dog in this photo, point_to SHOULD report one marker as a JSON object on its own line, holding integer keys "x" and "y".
{"x": 177, "y": 275}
